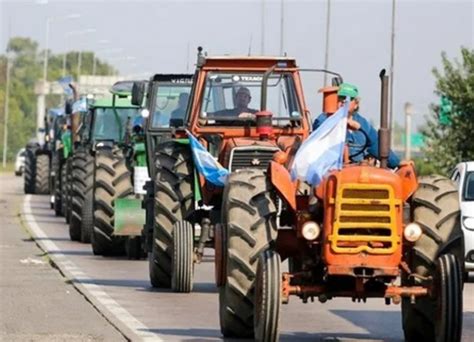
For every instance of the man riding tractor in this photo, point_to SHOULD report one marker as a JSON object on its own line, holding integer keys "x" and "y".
{"x": 347, "y": 228}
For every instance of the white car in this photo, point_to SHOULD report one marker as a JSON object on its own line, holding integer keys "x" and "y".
{"x": 20, "y": 162}
{"x": 463, "y": 175}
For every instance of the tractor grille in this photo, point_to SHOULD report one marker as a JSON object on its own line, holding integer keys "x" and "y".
{"x": 365, "y": 220}
{"x": 255, "y": 157}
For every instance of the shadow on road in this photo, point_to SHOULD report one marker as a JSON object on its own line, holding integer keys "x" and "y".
{"x": 113, "y": 282}
{"x": 376, "y": 323}
{"x": 197, "y": 288}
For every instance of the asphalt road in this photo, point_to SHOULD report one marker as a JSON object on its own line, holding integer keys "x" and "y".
{"x": 120, "y": 290}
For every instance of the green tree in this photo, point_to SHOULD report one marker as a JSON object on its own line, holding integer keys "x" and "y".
{"x": 449, "y": 142}
{"x": 26, "y": 69}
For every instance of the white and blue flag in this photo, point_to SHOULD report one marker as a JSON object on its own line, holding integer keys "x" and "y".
{"x": 206, "y": 164}
{"x": 323, "y": 151}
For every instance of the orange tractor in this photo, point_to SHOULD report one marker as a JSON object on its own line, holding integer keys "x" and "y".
{"x": 364, "y": 232}
{"x": 229, "y": 114}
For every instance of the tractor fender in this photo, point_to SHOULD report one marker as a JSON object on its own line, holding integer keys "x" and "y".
{"x": 407, "y": 175}
{"x": 281, "y": 181}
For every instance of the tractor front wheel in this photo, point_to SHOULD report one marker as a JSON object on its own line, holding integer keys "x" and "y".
{"x": 183, "y": 257}
{"x": 267, "y": 297}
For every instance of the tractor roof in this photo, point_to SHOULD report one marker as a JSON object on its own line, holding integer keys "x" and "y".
{"x": 120, "y": 102}
{"x": 248, "y": 62}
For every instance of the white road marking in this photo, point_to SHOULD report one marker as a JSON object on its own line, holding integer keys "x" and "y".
{"x": 32, "y": 261}
{"x": 83, "y": 283}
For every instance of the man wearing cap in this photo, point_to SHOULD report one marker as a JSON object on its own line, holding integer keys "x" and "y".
{"x": 362, "y": 138}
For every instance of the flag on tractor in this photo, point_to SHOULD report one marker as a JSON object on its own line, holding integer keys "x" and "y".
{"x": 206, "y": 164}
{"x": 323, "y": 151}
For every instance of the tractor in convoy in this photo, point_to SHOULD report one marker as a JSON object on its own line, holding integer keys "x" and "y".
{"x": 100, "y": 171}
{"x": 184, "y": 210}
{"x": 365, "y": 231}
{"x": 166, "y": 100}
{"x": 38, "y": 157}
{"x": 111, "y": 151}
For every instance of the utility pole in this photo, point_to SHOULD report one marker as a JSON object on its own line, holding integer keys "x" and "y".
{"x": 6, "y": 111}
{"x": 408, "y": 114}
{"x": 262, "y": 32}
{"x": 79, "y": 62}
{"x": 282, "y": 25}
{"x": 392, "y": 63}
{"x": 328, "y": 25}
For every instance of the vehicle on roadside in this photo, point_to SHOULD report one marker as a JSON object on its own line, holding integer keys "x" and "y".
{"x": 463, "y": 176}
{"x": 20, "y": 162}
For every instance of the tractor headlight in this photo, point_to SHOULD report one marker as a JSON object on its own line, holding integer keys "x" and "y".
{"x": 412, "y": 232}
{"x": 468, "y": 222}
{"x": 310, "y": 230}
{"x": 145, "y": 113}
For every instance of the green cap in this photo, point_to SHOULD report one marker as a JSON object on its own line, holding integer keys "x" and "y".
{"x": 346, "y": 89}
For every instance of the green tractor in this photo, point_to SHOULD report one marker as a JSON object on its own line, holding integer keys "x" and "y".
{"x": 38, "y": 159}
{"x": 111, "y": 153}
{"x": 167, "y": 96}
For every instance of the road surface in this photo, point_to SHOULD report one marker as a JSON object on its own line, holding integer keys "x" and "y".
{"x": 119, "y": 289}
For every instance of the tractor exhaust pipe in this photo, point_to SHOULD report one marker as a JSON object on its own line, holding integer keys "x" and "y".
{"x": 384, "y": 131}
{"x": 263, "y": 96}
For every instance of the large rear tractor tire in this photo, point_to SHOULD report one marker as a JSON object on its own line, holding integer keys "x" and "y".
{"x": 183, "y": 257}
{"x": 82, "y": 211}
{"x": 68, "y": 189}
{"x": 30, "y": 171}
{"x": 174, "y": 202}
{"x": 249, "y": 216}
{"x": 58, "y": 197}
{"x": 437, "y": 254}
{"x": 112, "y": 181}
{"x": 267, "y": 297}
{"x": 42, "y": 174}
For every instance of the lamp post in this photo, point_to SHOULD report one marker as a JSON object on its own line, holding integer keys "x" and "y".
{"x": 328, "y": 25}
{"x": 409, "y": 111}
{"x": 41, "y": 98}
{"x": 392, "y": 63}
{"x": 6, "y": 111}
{"x": 79, "y": 57}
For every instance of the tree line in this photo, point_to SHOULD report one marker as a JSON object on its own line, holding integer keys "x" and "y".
{"x": 26, "y": 68}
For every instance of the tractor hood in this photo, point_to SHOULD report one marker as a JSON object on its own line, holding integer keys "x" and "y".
{"x": 467, "y": 208}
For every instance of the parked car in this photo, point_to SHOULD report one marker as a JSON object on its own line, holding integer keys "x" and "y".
{"x": 20, "y": 162}
{"x": 463, "y": 175}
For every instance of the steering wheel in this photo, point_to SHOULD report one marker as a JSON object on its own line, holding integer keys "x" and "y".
{"x": 362, "y": 149}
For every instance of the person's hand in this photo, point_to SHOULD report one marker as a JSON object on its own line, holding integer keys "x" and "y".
{"x": 352, "y": 124}
{"x": 246, "y": 115}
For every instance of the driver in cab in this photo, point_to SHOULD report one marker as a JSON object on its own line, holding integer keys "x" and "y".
{"x": 362, "y": 138}
{"x": 242, "y": 99}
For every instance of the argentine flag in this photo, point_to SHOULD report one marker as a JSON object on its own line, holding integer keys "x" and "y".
{"x": 205, "y": 163}
{"x": 323, "y": 150}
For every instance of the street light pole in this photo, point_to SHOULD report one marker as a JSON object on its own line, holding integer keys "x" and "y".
{"x": 408, "y": 115}
{"x": 262, "y": 32}
{"x": 6, "y": 111}
{"x": 392, "y": 63}
{"x": 328, "y": 25}
{"x": 282, "y": 25}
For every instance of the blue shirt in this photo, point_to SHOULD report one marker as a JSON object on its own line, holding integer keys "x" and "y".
{"x": 363, "y": 142}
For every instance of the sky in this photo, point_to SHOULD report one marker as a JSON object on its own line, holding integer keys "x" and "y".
{"x": 162, "y": 36}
